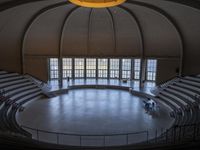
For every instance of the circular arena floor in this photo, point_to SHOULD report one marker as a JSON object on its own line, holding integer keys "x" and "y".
{"x": 94, "y": 112}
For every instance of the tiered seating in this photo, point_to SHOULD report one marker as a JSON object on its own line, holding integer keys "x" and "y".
{"x": 17, "y": 90}
{"x": 183, "y": 96}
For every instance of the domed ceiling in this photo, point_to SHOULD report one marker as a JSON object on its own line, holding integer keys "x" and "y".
{"x": 136, "y": 28}
{"x": 97, "y": 3}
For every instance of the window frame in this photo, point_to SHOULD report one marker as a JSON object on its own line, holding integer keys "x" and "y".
{"x": 102, "y": 73}
{"x": 114, "y": 69}
{"x": 68, "y": 71}
{"x": 53, "y": 68}
{"x": 79, "y": 72}
{"x": 151, "y": 70}
{"x": 91, "y": 63}
{"x": 126, "y": 73}
{"x": 137, "y": 68}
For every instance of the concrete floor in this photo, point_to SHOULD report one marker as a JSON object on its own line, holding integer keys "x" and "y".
{"x": 93, "y": 112}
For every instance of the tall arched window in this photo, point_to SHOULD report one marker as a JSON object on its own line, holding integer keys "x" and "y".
{"x": 103, "y": 68}
{"x": 126, "y": 68}
{"x": 90, "y": 68}
{"x": 53, "y": 68}
{"x": 67, "y": 67}
{"x": 151, "y": 69}
{"x": 79, "y": 67}
{"x": 114, "y": 68}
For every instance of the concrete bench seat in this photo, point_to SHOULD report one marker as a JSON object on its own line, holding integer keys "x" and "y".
{"x": 177, "y": 99}
{"x": 35, "y": 96}
{"x": 190, "y": 82}
{"x": 3, "y": 117}
{"x": 195, "y": 116}
{"x": 15, "y": 127}
{"x": 26, "y": 96}
{"x": 178, "y": 119}
{"x": 29, "y": 97}
{"x": 192, "y": 78}
{"x": 7, "y": 75}
{"x": 21, "y": 89}
{"x": 193, "y": 88}
{"x": 21, "y": 94}
{"x": 2, "y": 72}
{"x": 10, "y": 79}
{"x": 11, "y": 114}
{"x": 158, "y": 100}
{"x": 186, "y": 118}
{"x": 182, "y": 95}
{"x": 183, "y": 90}
{"x": 15, "y": 87}
{"x": 1, "y": 104}
{"x": 18, "y": 91}
{"x": 11, "y": 83}
{"x": 169, "y": 101}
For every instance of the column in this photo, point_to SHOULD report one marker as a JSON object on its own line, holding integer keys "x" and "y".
{"x": 132, "y": 68}
{"x": 60, "y": 70}
{"x": 120, "y": 69}
{"x": 73, "y": 68}
{"x": 85, "y": 76}
{"x": 142, "y": 72}
{"x": 108, "y": 74}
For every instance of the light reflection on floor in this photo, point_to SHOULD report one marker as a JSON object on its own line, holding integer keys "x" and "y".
{"x": 93, "y": 111}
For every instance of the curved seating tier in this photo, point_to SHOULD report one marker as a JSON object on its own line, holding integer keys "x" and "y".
{"x": 182, "y": 94}
{"x": 16, "y": 90}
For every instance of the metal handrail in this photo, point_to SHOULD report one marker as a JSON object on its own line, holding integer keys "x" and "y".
{"x": 73, "y": 134}
{"x": 81, "y": 137}
{"x": 155, "y": 90}
{"x": 35, "y": 78}
{"x": 40, "y": 83}
{"x": 172, "y": 135}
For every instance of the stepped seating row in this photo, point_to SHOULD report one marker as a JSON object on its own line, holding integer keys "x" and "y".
{"x": 180, "y": 95}
{"x": 16, "y": 91}
{"x": 183, "y": 96}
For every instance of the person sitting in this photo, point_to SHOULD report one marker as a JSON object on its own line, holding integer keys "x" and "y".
{"x": 153, "y": 105}
{"x": 21, "y": 109}
{"x": 147, "y": 106}
{"x": 124, "y": 80}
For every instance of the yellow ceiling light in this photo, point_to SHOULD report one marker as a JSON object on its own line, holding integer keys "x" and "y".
{"x": 97, "y": 3}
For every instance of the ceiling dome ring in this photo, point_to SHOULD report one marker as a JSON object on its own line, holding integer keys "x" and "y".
{"x": 97, "y": 3}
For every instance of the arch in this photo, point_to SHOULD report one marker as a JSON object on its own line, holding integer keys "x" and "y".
{"x": 30, "y": 23}
{"x": 193, "y": 4}
{"x": 139, "y": 28}
{"x": 62, "y": 29}
{"x": 137, "y": 3}
{"x": 61, "y": 43}
{"x": 141, "y": 38}
{"x": 89, "y": 25}
{"x": 12, "y": 4}
{"x": 114, "y": 29}
{"x": 170, "y": 20}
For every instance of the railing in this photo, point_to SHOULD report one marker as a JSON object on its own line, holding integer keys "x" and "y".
{"x": 41, "y": 84}
{"x": 162, "y": 85}
{"x": 174, "y": 135}
{"x": 88, "y": 140}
